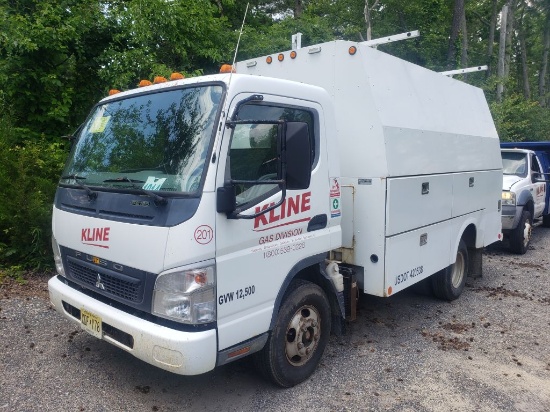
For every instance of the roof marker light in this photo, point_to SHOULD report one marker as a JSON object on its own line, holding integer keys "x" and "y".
{"x": 227, "y": 68}
{"x": 352, "y": 50}
{"x": 281, "y": 57}
{"x": 159, "y": 79}
{"x": 269, "y": 59}
{"x": 144, "y": 83}
{"x": 293, "y": 54}
{"x": 176, "y": 76}
{"x": 113, "y": 91}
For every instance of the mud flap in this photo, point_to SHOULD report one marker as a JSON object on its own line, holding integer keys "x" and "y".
{"x": 475, "y": 263}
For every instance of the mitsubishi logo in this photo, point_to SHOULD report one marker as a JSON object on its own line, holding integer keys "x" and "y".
{"x": 99, "y": 284}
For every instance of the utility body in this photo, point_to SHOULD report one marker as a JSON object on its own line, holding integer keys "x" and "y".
{"x": 525, "y": 190}
{"x": 202, "y": 220}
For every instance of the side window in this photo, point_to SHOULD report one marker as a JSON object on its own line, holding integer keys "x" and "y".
{"x": 254, "y": 151}
{"x": 254, "y": 157}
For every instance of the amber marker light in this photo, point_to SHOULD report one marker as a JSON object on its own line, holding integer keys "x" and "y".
{"x": 239, "y": 352}
{"x": 227, "y": 68}
{"x": 390, "y": 290}
{"x": 113, "y": 91}
{"x": 352, "y": 50}
{"x": 177, "y": 76}
{"x": 144, "y": 83}
{"x": 159, "y": 79}
{"x": 293, "y": 54}
{"x": 281, "y": 57}
{"x": 269, "y": 59}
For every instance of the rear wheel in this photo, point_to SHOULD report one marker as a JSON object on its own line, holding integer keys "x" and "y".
{"x": 299, "y": 338}
{"x": 448, "y": 283}
{"x": 521, "y": 235}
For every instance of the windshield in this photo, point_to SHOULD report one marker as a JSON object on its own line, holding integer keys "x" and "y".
{"x": 156, "y": 142}
{"x": 514, "y": 164}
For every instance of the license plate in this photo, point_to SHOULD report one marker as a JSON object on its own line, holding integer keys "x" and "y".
{"x": 91, "y": 323}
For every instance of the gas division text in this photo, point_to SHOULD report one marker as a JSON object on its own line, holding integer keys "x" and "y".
{"x": 280, "y": 235}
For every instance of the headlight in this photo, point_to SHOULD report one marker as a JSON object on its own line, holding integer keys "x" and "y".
{"x": 508, "y": 198}
{"x": 57, "y": 258}
{"x": 186, "y": 296}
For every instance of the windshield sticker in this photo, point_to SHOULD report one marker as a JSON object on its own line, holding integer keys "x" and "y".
{"x": 99, "y": 124}
{"x": 153, "y": 183}
{"x": 335, "y": 198}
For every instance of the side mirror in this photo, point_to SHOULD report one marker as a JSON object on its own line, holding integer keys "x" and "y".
{"x": 226, "y": 199}
{"x": 297, "y": 155}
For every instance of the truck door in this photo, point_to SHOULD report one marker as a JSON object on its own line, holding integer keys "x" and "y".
{"x": 254, "y": 256}
{"x": 539, "y": 188}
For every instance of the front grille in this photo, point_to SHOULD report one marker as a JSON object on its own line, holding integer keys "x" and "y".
{"x": 122, "y": 287}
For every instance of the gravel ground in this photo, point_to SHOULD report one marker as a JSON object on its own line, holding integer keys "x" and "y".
{"x": 487, "y": 351}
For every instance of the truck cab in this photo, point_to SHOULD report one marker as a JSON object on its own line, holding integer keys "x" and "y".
{"x": 524, "y": 193}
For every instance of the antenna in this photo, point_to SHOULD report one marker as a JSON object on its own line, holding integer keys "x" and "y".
{"x": 239, "y": 40}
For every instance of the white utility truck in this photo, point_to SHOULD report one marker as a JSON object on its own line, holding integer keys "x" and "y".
{"x": 201, "y": 220}
{"x": 525, "y": 194}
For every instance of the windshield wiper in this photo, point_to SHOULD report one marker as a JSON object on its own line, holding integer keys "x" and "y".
{"x": 91, "y": 194}
{"x": 159, "y": 200}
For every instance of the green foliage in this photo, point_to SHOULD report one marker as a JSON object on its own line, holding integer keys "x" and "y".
{"x": 157, "y": 37}
{"x": 59, "y": 57}
{"x": 30, "y": 169}
{"x": 520, "y": 120}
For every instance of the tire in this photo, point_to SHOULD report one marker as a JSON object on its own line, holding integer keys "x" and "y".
{"x": 448, "y": 283}
{"x": 521, "y": 235}
{"x": 546, "y": 221}
{"x": 298, "y": 340}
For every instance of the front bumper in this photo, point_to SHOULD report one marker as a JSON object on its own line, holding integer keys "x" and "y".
{"x": 184, "y": 353}
{"x": 511, "y": 216}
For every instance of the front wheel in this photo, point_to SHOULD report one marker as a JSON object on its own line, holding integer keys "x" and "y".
{"x": 448, "y": 283}
{"x": 521, "y": 235}
{"x": 299, "y": 338}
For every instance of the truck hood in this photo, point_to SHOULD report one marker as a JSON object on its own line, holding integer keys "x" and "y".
{"x": 510, "y": 180}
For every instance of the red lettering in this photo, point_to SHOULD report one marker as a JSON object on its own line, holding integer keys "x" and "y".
{"x": 293, "y": 205}
{"x": 96, "y": 234}
{"x": 290, "y": 206}
{"x": 305, "y": 202}
{"x": 272, "y": 216}
{"x": 260, "y": 219}
{"x": 283, "y": 210}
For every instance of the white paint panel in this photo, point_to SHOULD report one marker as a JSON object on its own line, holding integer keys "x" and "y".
{"x": 408, "y": 261}
{"x": 138, "y": 246}
{"x": 348, "y": 219}
{"x": 408, "y": 208}
{"x": 476, "y": 191}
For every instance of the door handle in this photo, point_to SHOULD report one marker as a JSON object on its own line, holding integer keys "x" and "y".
{"x": 317, "y": 222}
